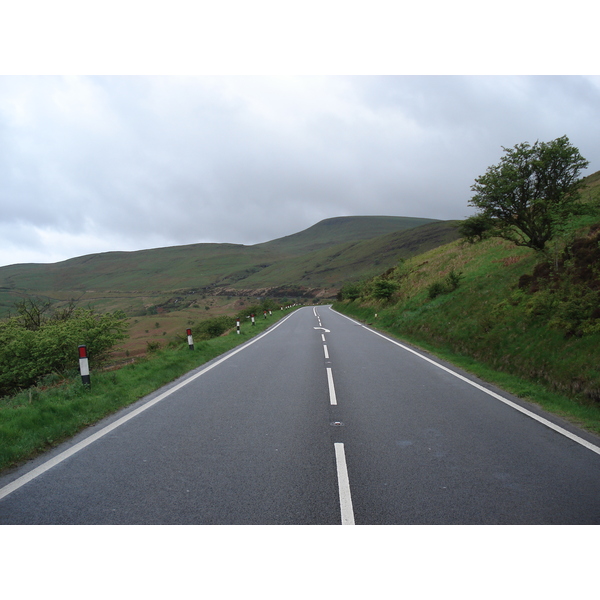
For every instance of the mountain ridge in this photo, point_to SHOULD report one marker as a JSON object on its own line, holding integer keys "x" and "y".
{"x": 314, "y": 258}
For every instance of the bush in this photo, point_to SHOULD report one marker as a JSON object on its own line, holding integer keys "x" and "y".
{"x": 453, "y": 280}
{"x": 212, "y": 328}
{"x": 31, "y": 350}
{"x": 350, "y": 291}
{"x": 384, "y": 289}
{"x": 152, "y": 347}
{"x": 450, "y": 283}
{"x": 436, "y": 289}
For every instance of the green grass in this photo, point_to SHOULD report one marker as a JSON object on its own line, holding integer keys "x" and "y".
{"x": 579, "y": 412}
{"x": 39, "y": 419}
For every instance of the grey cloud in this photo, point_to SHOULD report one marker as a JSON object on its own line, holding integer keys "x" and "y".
{"x": 136, "y": 162}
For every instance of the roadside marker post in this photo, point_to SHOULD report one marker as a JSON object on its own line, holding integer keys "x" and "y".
{"x": 190, "y": 339}
{"x": 252, "y": 317}
{"x": 84, "y": 367}
{"x": 265, "y": 313}
{"x": 237, "y": 325}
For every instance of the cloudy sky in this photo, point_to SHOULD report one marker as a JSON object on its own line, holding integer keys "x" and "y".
{"x": 125, "y": 161}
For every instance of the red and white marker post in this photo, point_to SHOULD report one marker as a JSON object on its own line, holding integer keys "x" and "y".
{"x": 252, "y": 317}
{"x": 237, "y": 325}
{"x": 190, "y": 339}
{"x": 84, "y": 367}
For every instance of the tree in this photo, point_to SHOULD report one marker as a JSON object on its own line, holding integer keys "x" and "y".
{"x": 475, "y": 228}
{"x": 531, "y": 191}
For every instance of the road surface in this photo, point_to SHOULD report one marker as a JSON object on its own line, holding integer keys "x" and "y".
{"x": 320, "y": 420}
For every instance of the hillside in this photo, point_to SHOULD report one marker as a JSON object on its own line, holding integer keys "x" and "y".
{"x": 318, "y": 258}
{"x": 333, "y": 265}
{"x": 338, "y": 230}
{"x": 497, "y": 308}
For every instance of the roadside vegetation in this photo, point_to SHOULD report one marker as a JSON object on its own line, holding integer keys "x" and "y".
{"x": 525, "y": 316}
{"x": 40, "y": 342}
{"x": 58, "y": 405}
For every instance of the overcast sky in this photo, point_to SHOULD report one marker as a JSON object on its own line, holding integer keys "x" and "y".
{"x": 93, "y": 163}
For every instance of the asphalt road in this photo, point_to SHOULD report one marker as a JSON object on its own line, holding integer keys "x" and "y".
{"x": 319, "y": 421}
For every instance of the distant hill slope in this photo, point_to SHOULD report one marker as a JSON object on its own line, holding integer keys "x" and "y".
{"x": 337, "y": 230}
{"x": 322, "y": 256}
{"x": 330, "y": 267}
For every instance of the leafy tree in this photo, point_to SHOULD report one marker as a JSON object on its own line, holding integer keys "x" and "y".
{"x": 475, "y": 228}
{"x": 530, "y": 191}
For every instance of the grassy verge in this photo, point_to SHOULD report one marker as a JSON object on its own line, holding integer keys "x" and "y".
{"x": 39, "y": 419}
{"x": 584, "y": 414}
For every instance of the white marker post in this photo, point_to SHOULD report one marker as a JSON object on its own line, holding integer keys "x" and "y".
{"x": 252, "y": 317}
{"x": 265, "y": 313}
{"x": 237, "y": 325}
{"x": 84, "y": 367}
{"x": 190, "y": 339}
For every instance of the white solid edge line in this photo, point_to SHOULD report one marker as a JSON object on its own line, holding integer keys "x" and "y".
{"x": 343, "y": 485}
{"x": 21, "y": 481}
{"x": 541, "y": 420}
{"x": 332, "y": 398}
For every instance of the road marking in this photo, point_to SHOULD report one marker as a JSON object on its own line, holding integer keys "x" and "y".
{"x": 326, "y": 352}
{"x": 46, "y": 466}
{"x": 521, "y": 409}
{"x": 323, "y": 336}
{"x": 332, "y": 398}
{"x": 323, "y": 328}
{"x": 343, "y": 485}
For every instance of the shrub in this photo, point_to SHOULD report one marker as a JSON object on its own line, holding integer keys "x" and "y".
{"x": 350, "y": 291}
{"x": 453, "y": 280}
{"x": 449, "y": 284}
{"x": 436, "y": 289}
{"x": 211, "y": 328}
{"x": 152, "y": 347}
{"x": 31, "y": 350}
{"x": 384, "y": 289}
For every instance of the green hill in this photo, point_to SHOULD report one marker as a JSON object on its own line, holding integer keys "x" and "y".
{"x": 337, "y": 230}
{"x": 321, "y": 257}
{"x": 333, "y": 265}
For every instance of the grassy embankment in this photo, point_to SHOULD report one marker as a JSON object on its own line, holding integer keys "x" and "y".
{"x": 534, "y": 343}
{"x": 39, "y": 419}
